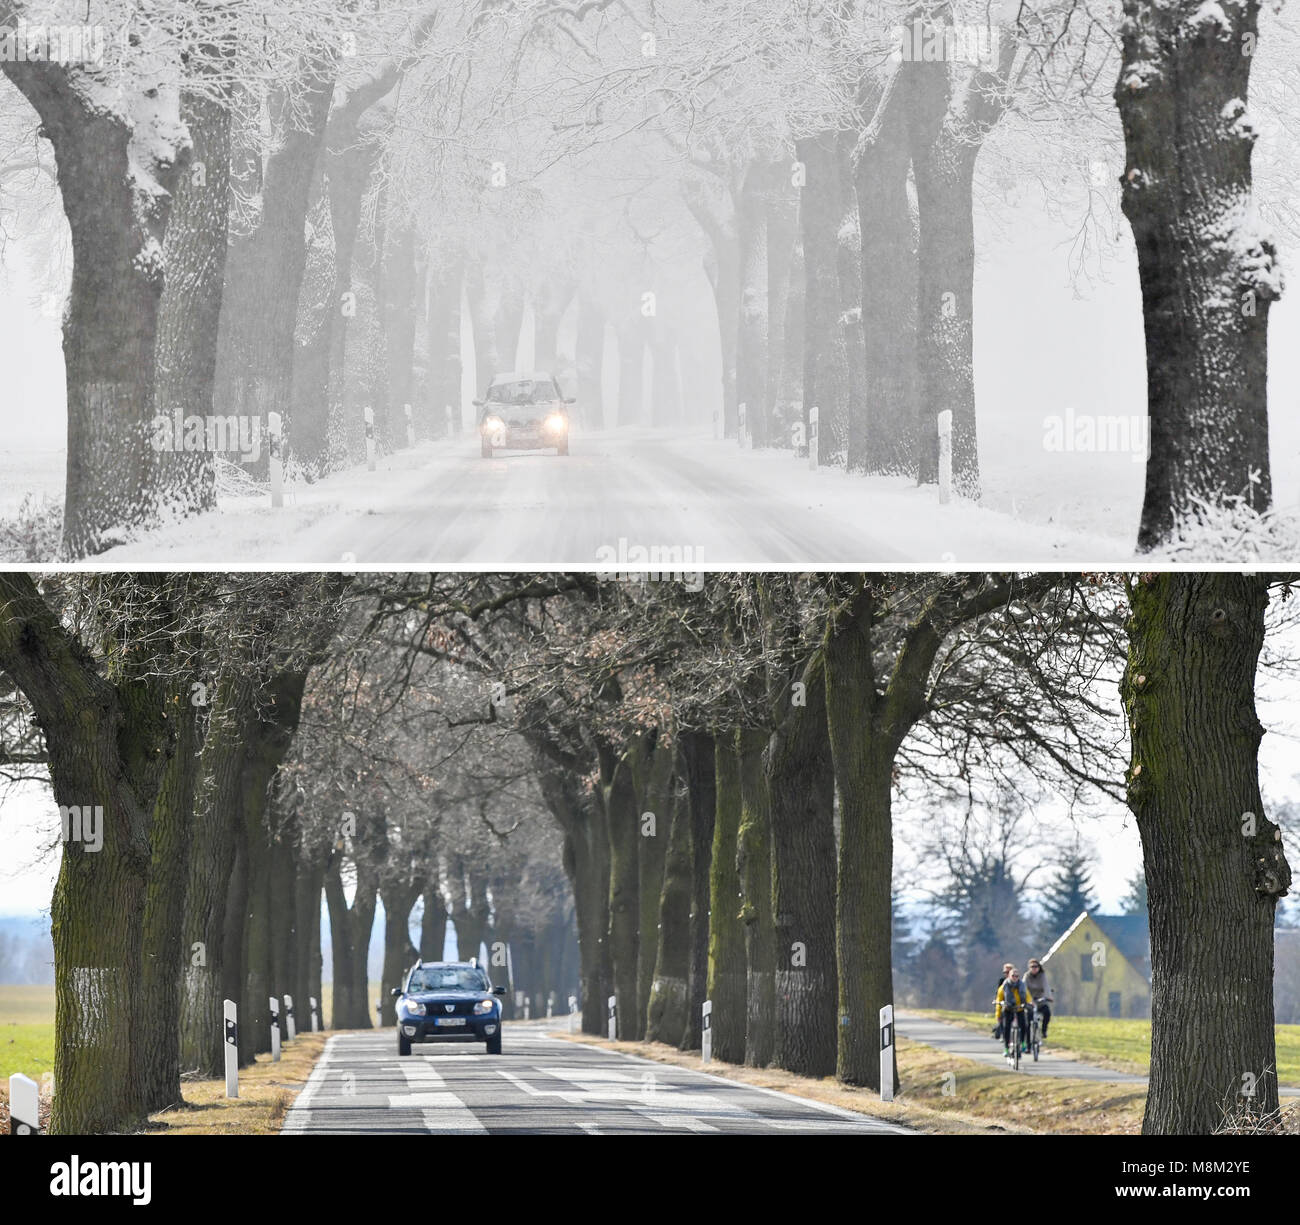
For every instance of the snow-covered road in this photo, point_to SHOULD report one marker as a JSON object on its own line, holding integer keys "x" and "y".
{"x": 680, "y": 498}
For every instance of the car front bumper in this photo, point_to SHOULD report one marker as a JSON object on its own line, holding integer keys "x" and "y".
{"x": 427, "y": 1029}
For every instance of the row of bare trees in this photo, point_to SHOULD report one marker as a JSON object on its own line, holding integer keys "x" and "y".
{"x": 721, "y": 764}
{"x": 716, "y": 758}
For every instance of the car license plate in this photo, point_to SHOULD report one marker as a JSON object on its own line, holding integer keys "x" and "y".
{"x": 449, "y": 1020}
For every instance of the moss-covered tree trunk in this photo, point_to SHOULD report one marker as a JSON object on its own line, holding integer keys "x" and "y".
{"x": 801, "y": 786}
{"x": 863, "y": 756}
{"x": 654, "y": 783}
{"x": 726, "y": 983}
{"x": 623, "y": 825}
{"x": 701, "y": 801}
{"x": 1215, "y": 866}
{"x": 218, "y": 814}
{"x": 666, "y": 1019}
{"x": 109, "y": 745}
{"x": 164, "y": 954}
{"x": 754, "y": 872}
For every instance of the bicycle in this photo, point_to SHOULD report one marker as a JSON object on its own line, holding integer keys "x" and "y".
{"x": 1017, "y": 1039}
{"x": 1036, "y": 1027}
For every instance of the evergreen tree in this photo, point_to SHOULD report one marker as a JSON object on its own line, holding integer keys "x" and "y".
{"x": 1067, "y": 896}
{"x": 1135, "y": 901}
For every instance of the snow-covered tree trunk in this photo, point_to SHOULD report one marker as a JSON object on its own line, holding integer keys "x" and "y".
{"x": 590, "y": 356}
{"x": 825, "y": 358}
{"x": 882, "y": 438}
{"x": 264, "y": 273}
{"x": 752, "y": 332}
{"x": 1208, "y": 270}
{"x": 482, "y": 308}
{"x": 117, "y": 163}
{"x": 399, "y": 287}
{"x": 782, "y": 257}
{"x": 952, "y": 106}
{"x": 722, "y": 265}
{"x": 442, "y": 379}
{"x": 182, "y": 482}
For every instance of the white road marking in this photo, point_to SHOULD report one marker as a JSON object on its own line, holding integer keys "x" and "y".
{"x": 442, "y": 1111}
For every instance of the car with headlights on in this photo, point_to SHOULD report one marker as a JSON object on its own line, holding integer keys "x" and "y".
{"x": 523, "y": 412}
{"x": 448, "y": 1001}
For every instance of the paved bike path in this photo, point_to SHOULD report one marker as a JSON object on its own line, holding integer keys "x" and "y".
{"x": 980, "y": 1046}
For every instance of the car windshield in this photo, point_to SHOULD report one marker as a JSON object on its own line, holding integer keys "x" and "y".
{"x": 447, "y": 978}
{"x": 521, "y": 392}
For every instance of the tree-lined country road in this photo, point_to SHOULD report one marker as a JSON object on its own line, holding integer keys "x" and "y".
{"x": 541, "y": 1085}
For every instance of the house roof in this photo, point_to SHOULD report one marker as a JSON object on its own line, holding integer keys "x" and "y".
{"x": 1129, "y": 933}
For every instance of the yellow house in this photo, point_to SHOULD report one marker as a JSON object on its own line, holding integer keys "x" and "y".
{"x": 1100, "y": 967}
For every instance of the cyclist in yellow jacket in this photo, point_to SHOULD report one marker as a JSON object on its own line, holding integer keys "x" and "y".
{"x": 1012, "y": 1002}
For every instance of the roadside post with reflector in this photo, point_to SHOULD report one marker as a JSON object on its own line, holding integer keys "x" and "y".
{"x": 24, "y": 1106}
{"x": 613, "y": 1018}
{"x": 813, "y": 455}
{"x": 275, "y": 457}
{"x": 573, "y": 1014}
{"x": 410, "y": 427}
{"x": 231, "y": 1014}
{"x": 315, "y": 1016}
{"x": 706, "y": 1032}
{"x": 945, "y": 457}
{"x": 290, "y": 1029}
{"x": 370, "y": 438}
{"x": 887, "y": 1053}
{"x": 275, "y": 1030}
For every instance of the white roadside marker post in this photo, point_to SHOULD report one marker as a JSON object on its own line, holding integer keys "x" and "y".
{"x": 887, "y": 1053}
{"x": 945, "y": 456}
{"x": 275, "y": 457}
{"x": 613, "y": 1018}
{"x": 573, "y": 1014}
{"x": 370, "y": 439}
{"x": 410, "y": 427}
{"x": 550, "y": 1005}
{"x": 528, "y": 1008}
{"x": 706, "y": 1033}
{"x": 315, "y": 1016}
{"x": 813, "y": 442}
{"x": 275, "y": 1030}
{"x": 232, "y": 1047}
{"x": 24, "y": 1106}
{"x": 290, "y": 1029}
{"x": 451, "y": 421}
{"x": 740, "y": 425}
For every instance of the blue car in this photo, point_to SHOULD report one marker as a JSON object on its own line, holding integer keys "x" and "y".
{"x": 448, "y": 1001}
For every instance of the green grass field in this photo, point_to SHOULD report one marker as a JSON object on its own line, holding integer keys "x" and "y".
{"x": 1124, "y": 1045}
{"x": 26, "y": 1031}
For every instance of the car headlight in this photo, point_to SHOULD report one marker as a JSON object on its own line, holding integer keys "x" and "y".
{"x": 413, "y": 1008}
{"x": 493, "y": 422}
{"x": 555, "y": 422}
{"x": 483, "y": 1007}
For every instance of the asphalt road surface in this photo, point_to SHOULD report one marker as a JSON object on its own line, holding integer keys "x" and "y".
{"x": 686, "y": 498}
{"x": 540, "y": 1085}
